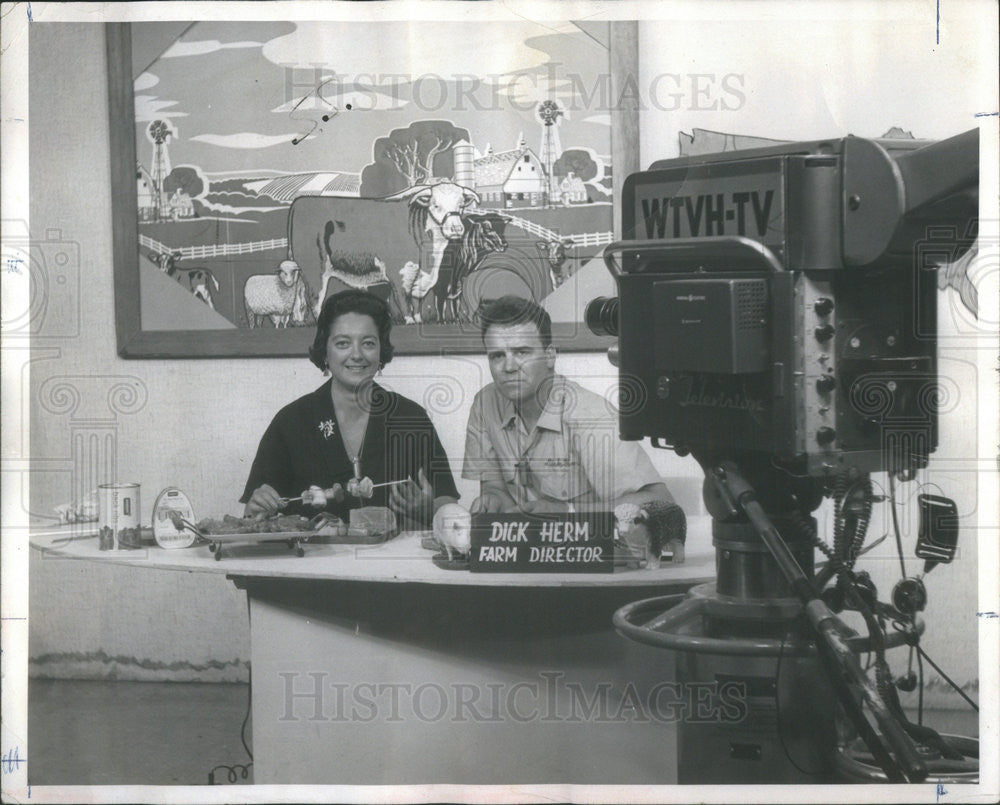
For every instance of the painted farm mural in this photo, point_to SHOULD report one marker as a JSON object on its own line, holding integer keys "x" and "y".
{"x": 304, "y": 161}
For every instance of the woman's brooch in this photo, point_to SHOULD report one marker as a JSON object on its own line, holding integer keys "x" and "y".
{"x": 327, "y": 427}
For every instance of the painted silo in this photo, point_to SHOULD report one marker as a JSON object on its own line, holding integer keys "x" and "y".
{"x": 463, "y": 155}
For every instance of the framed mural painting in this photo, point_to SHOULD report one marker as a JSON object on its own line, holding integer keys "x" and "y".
{"x": 255, "y": 174}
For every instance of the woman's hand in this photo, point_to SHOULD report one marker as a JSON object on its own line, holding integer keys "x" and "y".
{"x": 264, "y": 501}
{"x": 413, "y": 500}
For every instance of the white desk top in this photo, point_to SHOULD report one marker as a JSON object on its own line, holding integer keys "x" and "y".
{"x": 401, "y": 560}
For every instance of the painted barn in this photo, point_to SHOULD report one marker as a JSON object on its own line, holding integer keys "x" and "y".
{"x": 513, "y": 178}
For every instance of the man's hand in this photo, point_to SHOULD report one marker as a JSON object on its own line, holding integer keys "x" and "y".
{"x": 487, "y": 503}
{"x": 545, "y": 506}
{"x": 413, "y": 500}
{"x": 264, "y": 501}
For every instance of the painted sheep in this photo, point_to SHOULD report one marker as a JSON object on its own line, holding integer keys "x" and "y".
{"x": 281, "y": 296}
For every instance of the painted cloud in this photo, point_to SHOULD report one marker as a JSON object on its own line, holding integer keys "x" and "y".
{"x": 149, "y": 107}
{"x": 145, "y": 81}
{"x": 244, "y": 139}
{"x": 407, "y": 49}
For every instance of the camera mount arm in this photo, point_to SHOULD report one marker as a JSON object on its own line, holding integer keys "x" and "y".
{"x": 840, "y": 662}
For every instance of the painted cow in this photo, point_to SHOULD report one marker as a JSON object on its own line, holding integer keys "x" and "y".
{"x": 438, "y": 212}
{"x": 360, "y": 270}
{"x": 201, "y": 281}
{"x": 554, "y": 252}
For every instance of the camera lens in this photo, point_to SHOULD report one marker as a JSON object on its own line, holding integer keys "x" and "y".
{"x": 601, "y": 315}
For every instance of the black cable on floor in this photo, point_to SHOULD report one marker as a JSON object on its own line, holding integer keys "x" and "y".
{"x": 246, "y": 718}
{"x": 238, "y": 771}
{"x": 232, "y": 775}
{"x": 777, "y": 712}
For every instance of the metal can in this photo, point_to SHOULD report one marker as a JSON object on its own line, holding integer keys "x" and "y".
{"x": 119, "y": 508}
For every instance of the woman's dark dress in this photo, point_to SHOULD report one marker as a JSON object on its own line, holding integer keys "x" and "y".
{"x": 302, "y": 447}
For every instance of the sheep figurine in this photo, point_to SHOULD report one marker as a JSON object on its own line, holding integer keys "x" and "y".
{"x": 651, "y": 527}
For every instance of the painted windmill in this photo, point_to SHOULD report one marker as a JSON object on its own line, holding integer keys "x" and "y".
{"x": 158, "y": 132}
{"x": 548, "y": 112}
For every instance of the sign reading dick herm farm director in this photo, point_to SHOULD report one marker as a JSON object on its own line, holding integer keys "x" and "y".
{"x": 521, "y": 543}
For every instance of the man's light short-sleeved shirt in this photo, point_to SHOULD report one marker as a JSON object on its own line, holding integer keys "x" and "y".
{"x": 573, "y": 453}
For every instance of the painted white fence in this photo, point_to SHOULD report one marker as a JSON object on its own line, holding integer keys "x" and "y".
{"x": 227, "y": 249}
{"x": 216, "y": 250}
{"x": 587, "y": 239}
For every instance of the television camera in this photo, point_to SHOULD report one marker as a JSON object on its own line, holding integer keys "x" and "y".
{"x": 777, "y": 320}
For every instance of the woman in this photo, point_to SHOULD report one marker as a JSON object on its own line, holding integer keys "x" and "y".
{"x": 351, "y": 428}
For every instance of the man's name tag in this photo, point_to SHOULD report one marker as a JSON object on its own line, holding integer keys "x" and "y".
{"x": 523, "y": 543}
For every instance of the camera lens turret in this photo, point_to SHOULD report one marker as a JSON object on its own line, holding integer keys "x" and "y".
{"x": 601, "y": 315}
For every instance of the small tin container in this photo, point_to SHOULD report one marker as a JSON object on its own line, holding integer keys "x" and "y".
{"x": 172, "y": 501}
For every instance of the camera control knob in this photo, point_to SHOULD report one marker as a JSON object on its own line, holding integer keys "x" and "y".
{"x": 825, "y": 384}
{"x": 823, "y": 306}
{"x": 824, "y": 333}
{"x": 825, "y": 435}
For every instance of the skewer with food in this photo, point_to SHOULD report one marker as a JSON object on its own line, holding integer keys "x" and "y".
{"x": 291, "y": 529}
{"x": 361, "y": 487}
{"x": 368, "y": 525}
{"x": 317, "y": 497}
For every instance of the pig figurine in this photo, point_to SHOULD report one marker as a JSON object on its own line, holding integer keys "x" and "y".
{"x": 452, "y": 529}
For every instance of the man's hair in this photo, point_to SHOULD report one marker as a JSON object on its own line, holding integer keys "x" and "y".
{"x": 508, "y": 311}
{"x": 352, "y": 302}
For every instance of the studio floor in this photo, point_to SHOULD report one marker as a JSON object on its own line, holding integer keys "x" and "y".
{"x": 162, "y": 733}
{"x": 120, "y": 733}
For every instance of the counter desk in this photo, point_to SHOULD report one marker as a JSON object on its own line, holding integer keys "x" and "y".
{"x": 373, "y": 665}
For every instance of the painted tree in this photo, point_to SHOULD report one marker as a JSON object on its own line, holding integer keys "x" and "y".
{"x": 576, "y": 161}
{"x": 185, "y": 178}
{"x": 410, "y": 156}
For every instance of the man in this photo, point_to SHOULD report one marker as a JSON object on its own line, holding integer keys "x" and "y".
{"x": 538, "y": 442}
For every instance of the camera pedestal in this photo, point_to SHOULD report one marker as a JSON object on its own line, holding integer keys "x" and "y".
{"x": 763, "y": 630}
{"x": 744, "y": 638}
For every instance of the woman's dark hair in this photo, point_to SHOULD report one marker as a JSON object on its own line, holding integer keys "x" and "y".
{"x": 511, "y": 310}
{"x": 352, "y": 302}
